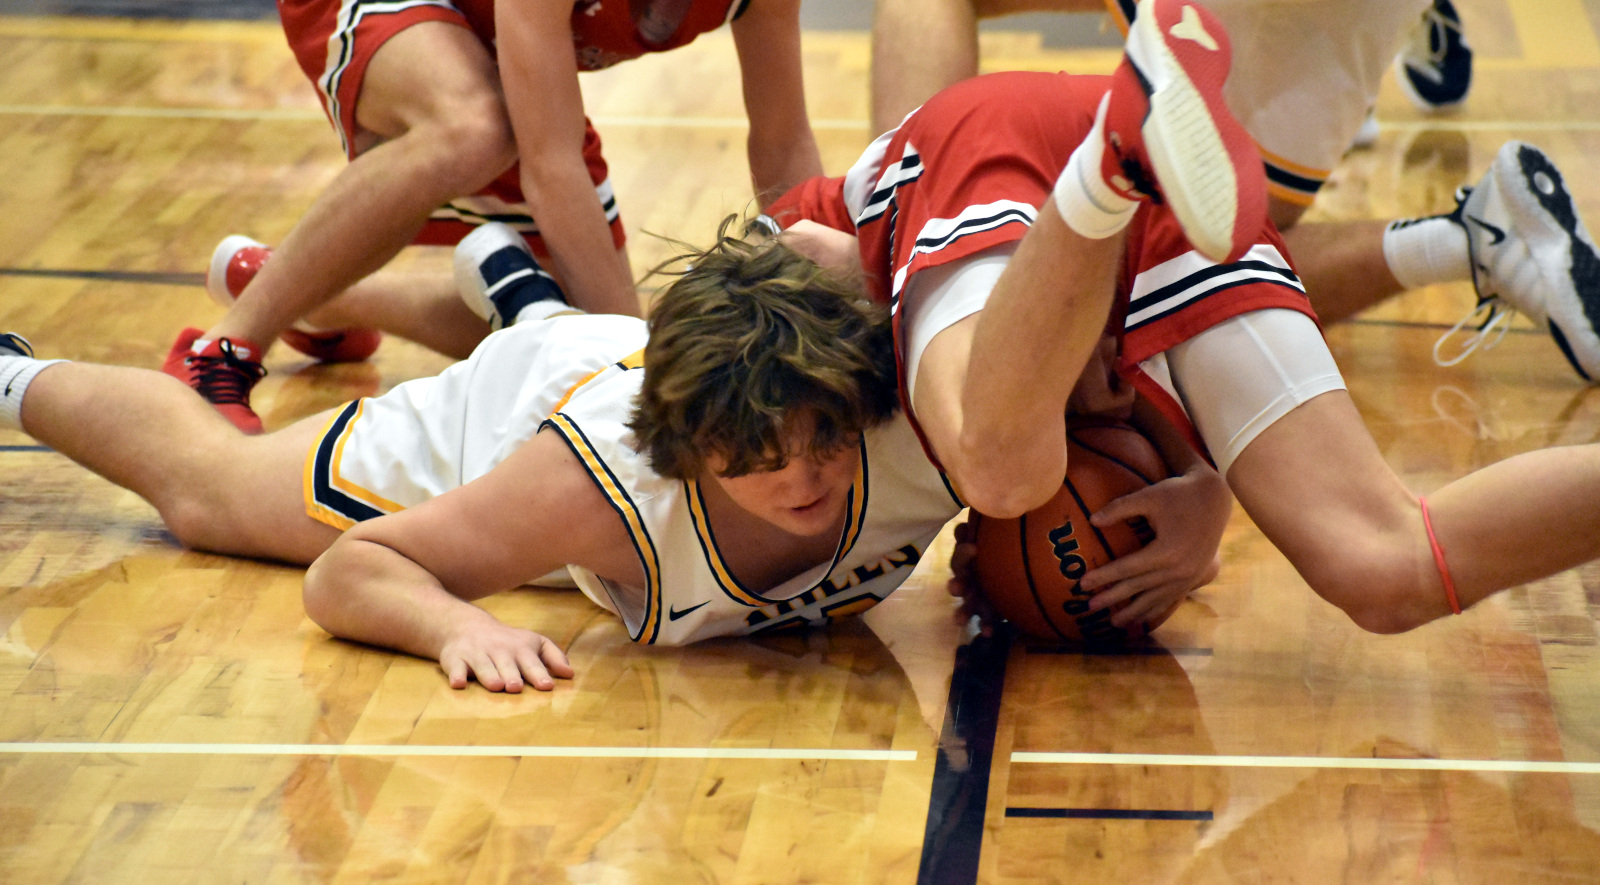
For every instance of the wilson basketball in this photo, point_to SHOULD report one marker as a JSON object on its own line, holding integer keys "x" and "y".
{"x": 1030, "y": 566}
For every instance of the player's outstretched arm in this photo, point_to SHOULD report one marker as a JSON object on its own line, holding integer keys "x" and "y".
{"x": 371, "y": 593}
{"x": 782, "y": 148}
{"x": 540, "y": 76}
{"x": 1187, "y": 513}
{"x": 406, "y": 580}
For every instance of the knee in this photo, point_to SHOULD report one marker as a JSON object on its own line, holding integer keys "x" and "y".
{"x": 464, "y": 148}
{"x": 195, "y": 523}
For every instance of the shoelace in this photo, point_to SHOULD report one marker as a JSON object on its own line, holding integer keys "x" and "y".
{"x": 1495, "y": 323}
{"x": 226, "y": 379}
{"x": 1424, "y": 46}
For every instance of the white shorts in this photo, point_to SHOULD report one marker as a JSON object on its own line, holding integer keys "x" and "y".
{"x": 431, "y": 435}
{"x": 1234, "y": 379}
{"x": 1305, "y": 73}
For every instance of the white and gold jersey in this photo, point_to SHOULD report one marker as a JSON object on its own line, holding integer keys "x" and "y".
{"x": 578, "y": 376}
{"x": 898, "y": 502}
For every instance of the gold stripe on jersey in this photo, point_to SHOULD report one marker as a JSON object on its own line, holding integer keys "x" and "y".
{"x": 315, "y": 509}
{"x": 336, "y": 477}
{"x": 1290, "y": 181}
{"x": 631, "y": 361}
{"x": 643, "y": 545}
{"x": 322, "y": 511}
{"x": 855, "y": 519}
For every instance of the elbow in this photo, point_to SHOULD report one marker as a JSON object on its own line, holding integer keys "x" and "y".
{"x": 317, "y": 594}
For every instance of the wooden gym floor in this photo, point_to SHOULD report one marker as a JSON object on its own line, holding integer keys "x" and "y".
{"x": 173, "y": 717}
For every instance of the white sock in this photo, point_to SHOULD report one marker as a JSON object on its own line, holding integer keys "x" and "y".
{"x": 1087, "y": 204}
{"x": 1423, "y": 251}
{"x": 16, "y": 373}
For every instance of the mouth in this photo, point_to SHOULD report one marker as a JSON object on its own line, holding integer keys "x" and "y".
{"x": 811, "y": 508}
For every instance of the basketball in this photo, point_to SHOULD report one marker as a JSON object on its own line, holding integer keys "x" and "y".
{"x": 1030, "y": 566}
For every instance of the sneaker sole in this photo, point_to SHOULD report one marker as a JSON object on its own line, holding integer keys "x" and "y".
{"x": 1198, "y": 181}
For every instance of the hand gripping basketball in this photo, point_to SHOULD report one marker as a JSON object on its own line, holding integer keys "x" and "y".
{"x": 1030, "y": 568}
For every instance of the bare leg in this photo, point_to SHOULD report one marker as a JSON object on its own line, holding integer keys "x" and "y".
{"x": 1318, "y": 487}
{"x": 1342, "y": 266}
{"x": 921, "y": 46}
{"x": 216, "y": 489}
{"x": 433, "y": 93}
{"x": 424, "y": 308}
{"x": 918, "y": 48}
{"x": 998, "y": 381}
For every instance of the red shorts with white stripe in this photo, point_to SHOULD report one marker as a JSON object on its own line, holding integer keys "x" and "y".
{"x": 968, "y": 171}
{"x": 335, "y": 40}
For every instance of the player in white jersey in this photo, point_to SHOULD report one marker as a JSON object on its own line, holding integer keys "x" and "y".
{"x": 760, "y": 483}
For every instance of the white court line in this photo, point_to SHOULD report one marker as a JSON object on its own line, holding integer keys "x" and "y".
{"x": 116, "y": 749}
{"x": 1361, "y": 762}
{"x": 45, "y": 110}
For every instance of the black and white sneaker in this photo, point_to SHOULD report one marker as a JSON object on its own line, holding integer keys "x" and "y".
{"x": 1435, "y": 68}
{"x": 1531, "y": 254}
{"x": 15, "y": 345}
{"x": 499, "y": 278}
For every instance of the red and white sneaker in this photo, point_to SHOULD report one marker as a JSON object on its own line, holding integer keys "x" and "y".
{"x": 1169, "y": 133}
{"x": 222, "y": 371}
{"x": 235, "y": 263}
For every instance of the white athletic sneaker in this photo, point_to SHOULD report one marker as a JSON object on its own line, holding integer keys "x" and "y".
{"x": 15, "y": 345}
{"x": 498, "y": 276}
{"x": 1531, "y": 254}
{"x": 1434, "y": 70}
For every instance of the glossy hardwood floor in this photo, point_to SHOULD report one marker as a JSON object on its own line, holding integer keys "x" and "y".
{"x": 168, "y": 716}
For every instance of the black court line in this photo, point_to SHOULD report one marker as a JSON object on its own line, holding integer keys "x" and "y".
{"x": 1114, "y": 651}
{"x": 1108, "y": 813}
{"x": 26, "y": 449}
{"x": 111, "y": 276}
{"x": 959, "y": 798}
{"x": 238, "y": 10}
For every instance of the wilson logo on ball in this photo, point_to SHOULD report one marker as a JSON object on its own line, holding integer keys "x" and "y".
{"x": 1071, "y": 564}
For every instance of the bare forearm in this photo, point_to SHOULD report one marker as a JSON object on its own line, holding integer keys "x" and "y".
{"x": 369, "y": 593}
{"x": 576, "y": 232}
{"x": 778, "y": 164}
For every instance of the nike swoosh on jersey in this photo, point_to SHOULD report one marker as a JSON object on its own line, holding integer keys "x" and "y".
{"x": 1495, "y": 232}
{"x": 673, "y": 613}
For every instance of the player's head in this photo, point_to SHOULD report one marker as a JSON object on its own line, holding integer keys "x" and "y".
{"x": 756, "y": 354}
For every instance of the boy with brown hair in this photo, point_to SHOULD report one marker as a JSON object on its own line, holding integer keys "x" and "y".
{"x": 751, "y": 479}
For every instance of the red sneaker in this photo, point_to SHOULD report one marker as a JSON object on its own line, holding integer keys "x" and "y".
{"x": 1170, "y": 135}
{"x": 177, "y": 362}
{"x": 235, "y": 263}
{"x": 223, "y": 372}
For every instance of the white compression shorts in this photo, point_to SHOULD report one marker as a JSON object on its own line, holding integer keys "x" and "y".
{"x": 1234, "y": 380}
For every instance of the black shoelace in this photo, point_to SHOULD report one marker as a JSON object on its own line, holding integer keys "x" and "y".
{"x": 226, "y": 379}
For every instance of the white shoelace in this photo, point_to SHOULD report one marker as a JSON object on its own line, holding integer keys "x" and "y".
{"x": 1423, "y": 45}
{"x": 1495, "y": 324}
